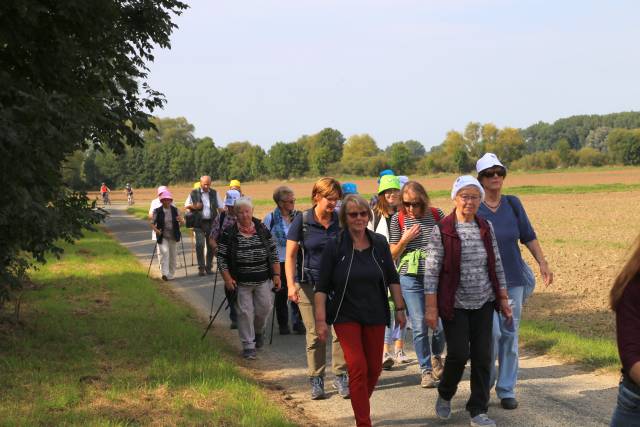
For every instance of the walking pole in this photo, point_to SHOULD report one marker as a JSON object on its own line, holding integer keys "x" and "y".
{"x": 213, "y": 318}
{"x": 153, "y": 254}
{"x": 213, "y": 295}
{"x": 184, "y": 258}
{"x": 193, "y": 247}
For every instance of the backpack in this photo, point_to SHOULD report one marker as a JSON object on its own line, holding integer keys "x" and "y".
{"x": 434, "y": 212}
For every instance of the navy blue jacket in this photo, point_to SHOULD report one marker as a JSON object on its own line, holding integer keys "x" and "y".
{"x": 335, "y": 266}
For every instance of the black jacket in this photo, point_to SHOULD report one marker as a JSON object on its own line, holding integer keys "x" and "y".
{"x": 335, "y": 262}
{"x": 158, "y": 222}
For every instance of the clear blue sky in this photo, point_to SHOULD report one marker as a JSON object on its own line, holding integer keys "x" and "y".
{"x": 268, "y": 71}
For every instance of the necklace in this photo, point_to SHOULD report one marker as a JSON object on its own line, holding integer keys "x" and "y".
{"x": 493, "y": 207}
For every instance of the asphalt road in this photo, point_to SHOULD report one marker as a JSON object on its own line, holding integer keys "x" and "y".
{"x": 550, "y": 393}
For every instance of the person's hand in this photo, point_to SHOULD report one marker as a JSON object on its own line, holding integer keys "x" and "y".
{"x": 411, "y": 233}
{"x": 401, "y": 319}
{"x": 505, "y": 309}
{"x": 322, "y": 330}
{"x": 546, "y": 273}
{"x": 292, "y": 293}
{"x": 276, "y": 283}
{"x": 230, "y": 285}
{"x": 180, "y": 219}
{"x": 431, "y": 317}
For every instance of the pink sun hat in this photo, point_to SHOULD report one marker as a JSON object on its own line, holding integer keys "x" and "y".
{"x": 166, "y": 194}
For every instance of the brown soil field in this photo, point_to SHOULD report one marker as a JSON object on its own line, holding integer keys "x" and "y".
{"x": 585, "y": 237}
{"x": 302, "y": 188}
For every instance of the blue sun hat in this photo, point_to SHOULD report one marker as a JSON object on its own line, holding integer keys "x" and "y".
{"x": 385, "y": 172}
{"x": 349, "y": 188}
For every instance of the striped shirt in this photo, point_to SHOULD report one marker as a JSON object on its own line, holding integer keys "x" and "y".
{"x": 426, "y": 222}
{"x": 252, "y": 259}
{"x": 475, "y": 287}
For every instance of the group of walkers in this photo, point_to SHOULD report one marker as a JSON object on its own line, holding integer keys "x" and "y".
{"x": 363, "y": 273}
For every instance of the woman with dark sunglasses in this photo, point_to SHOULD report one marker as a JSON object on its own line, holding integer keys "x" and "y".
{"x": 355, "y": 274}
{"x": 408, "y": 238}
{"x": 511, "y": 224}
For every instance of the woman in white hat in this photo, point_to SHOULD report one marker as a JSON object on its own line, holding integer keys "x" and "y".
{"x": 166, "y": 224}
{"x": 464, "y": 282}
{"x": 511, "y": 224}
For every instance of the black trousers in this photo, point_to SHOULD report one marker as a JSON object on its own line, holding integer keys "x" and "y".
{"x": 282, "y": 306}
{"x": 468, "y": 334}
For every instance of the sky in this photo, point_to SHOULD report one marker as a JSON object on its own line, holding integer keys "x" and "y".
{"x": 268, "y": 71}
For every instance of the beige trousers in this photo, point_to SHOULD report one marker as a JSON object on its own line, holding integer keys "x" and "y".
{"x": 317, "y": 350}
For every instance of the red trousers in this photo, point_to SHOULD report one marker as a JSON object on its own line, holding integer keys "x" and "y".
{"x": 362, "y": 346}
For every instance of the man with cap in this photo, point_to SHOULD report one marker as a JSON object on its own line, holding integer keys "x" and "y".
{"x": 166, "y": 226}
{"x": 203, "y": 203}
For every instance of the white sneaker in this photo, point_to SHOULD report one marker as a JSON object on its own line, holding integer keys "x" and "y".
{"x": 401, "y": 357}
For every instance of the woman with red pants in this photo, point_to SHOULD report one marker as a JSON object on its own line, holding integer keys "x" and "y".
{"x": 356, "y": 271}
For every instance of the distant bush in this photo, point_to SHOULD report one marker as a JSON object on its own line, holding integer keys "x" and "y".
{"x": 588, "y": 156}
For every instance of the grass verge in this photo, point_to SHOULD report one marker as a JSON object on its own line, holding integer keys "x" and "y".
{"x": 101, "y": 345}
{"x": 546, "y": 337}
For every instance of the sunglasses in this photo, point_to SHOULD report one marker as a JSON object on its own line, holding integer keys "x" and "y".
{"x": 412, "y": 204}
{"x": 362, "y": 214}
{"x": 490, "y": 173}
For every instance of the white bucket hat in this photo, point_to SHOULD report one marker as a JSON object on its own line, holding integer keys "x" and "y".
{"x": 465, "y": 181}
{"x": 487, "y": 161}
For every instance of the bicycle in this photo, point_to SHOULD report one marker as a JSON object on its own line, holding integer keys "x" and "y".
{"x": 130, "y": 200}
{"x": 105, "y": 199}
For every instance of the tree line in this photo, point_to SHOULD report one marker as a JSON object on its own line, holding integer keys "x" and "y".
{"x": 171, "y": 153}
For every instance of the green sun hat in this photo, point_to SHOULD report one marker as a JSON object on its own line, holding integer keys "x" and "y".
{"x": 388, "y": 182}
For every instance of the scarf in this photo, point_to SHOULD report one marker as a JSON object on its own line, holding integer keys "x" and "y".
{"x": 249, "y": 230}
{"x": 277, "y": 226}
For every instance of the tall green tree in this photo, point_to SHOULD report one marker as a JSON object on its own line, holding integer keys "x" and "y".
{"x": 325, "y": 151}
{"x": 358, "y": 152}
{"x": 73, "y": 75}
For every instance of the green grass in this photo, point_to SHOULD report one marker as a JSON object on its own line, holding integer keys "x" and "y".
{"x": 101, "y": 345}
{"x": 546, "y": 337}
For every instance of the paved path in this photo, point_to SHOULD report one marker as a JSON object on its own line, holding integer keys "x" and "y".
{"x": 550, "y": 393}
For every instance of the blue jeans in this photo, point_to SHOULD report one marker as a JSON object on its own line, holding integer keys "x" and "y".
{"x": 627, "y": 412}
{"x": 393, "y": 332}
{"x": 413, "y": 294}
{"x": 505, "y": 347}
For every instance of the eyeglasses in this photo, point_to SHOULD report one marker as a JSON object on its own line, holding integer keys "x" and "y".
{"x": 469, "y": 198}
{"x": 332, "y": 199}
{"x": 412, "y": 204}
{"x": 362, "y": 214}
{"x": 490, "y": 173}
{"x": 288, "y": 201}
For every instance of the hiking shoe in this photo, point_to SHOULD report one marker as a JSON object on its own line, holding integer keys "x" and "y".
{"x": 249, "y": 353}
{"x": 443, "y": 408}
{"x": 208, "y": 271}
{"x": 317, "y": 388}
{"x": 387, "y": 361}
{"x": 427, "y": 380}
{"x": 341, "y": 383}
{"x": 259, "y": 340}
{"x": 437, "y": 367}
{"x": 481, "y": 420}
{"x": 234, "y": 325}
{"x": 401, "y": 357}
{"x": 164, "y": 278}
{"x": 509, "y": 403}
{"x": 284, "y": 330}
{"x": 201, "y": 272}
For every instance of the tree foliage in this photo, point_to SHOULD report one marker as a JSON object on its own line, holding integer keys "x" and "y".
{"x": 73, "y": 77}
